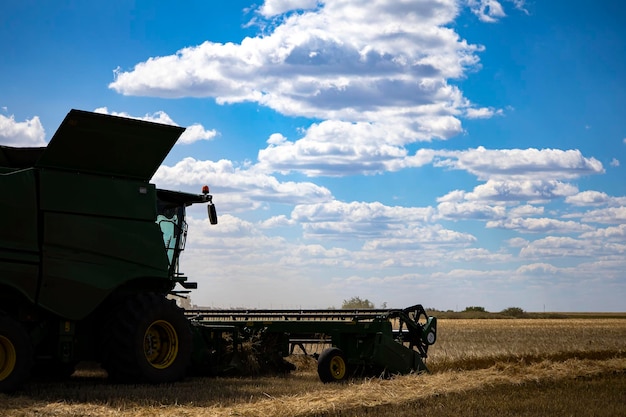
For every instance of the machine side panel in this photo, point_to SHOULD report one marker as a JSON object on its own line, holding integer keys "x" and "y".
{"x": 19, "y": 244}
{"x": 90, "y": 256}
{"x": 86, "y": 194}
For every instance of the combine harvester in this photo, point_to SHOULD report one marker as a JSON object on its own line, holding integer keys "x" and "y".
{"x": 89, "y": 260}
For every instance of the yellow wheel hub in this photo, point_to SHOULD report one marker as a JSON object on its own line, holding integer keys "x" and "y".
{"x": 161, "y": 344}
{"x": 338, "y": 367}
{"x": 8, "y": 358}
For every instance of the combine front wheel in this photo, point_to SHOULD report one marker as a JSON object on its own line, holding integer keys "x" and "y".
{"x": 332, "y": 366}
{"x": 148, "y": 339}
{"x": 16, "y": 354}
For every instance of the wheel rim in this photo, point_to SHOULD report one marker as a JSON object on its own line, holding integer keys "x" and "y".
{"x": 161, "y": 344}
{"x": 8, "y": 357}
{"x": 338, "y": 367}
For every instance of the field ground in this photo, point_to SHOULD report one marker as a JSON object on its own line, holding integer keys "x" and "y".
{"x": 507, "y": 367}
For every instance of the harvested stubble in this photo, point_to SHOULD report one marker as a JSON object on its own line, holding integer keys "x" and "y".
{"x": 472, "y": 344}
{"x": 470, "y": 356}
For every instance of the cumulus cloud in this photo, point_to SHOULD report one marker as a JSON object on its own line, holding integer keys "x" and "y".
{"x": 537, "y": 267}
{"x": 517, "y": 242}
{"x": 505, "y": 191}
{"x": 29, "y": 133}
{"x": 610, "y": 215}
{"x": 193, "y": 133}
{"x": 238, "y": 187}
{"x": 335, "y": 148}
{"x": 482, "y": 113}
{"x": 360, "y": 219}
{"x": 616, "y": 233}
{"x": 470, "y": 210}
{"x": 557, "y": 247}
{"x": 375, "y": 73}
{"x": 276, "y": 7}
{"x": 487, "y": 10}
{"x": 526, "y": 210}
{"x": 360, "y": 212}
{"x": 521, "y": 164}
{"x": 563, "y": 246}
{"x": 588, "y": 198}
{"x": 433, "y": 235}
{"x": 539, "y": 225}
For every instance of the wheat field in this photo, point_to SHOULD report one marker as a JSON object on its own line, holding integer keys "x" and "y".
{"x": 479, "y": 367}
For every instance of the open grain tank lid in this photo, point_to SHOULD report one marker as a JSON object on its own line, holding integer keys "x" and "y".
{"x": 107, "y": 145}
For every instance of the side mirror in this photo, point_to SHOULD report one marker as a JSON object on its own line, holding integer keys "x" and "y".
{"x": 212, "y": 213}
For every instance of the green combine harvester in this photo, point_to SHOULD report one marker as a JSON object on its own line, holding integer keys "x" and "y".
{"x": 89, "y": 262}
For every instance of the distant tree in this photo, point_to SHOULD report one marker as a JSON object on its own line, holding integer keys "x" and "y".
{"x": 356, "y": 302}
{"x": 513, "y": 312}
{"x": 475, "y": 309}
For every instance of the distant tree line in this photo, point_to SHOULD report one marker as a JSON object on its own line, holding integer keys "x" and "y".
{"x": 355, "y": 303}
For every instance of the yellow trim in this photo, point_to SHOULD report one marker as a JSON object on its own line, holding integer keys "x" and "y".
{"x": 8, "y": 358}
{"x": 160, "y": 344}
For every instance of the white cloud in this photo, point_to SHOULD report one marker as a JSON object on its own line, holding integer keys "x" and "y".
{"x": 275, "y": 7}
{"x": 562, "y": 247}
{"x": 514, "y": 191}
{"x": 489, "y": 201}
{"x": 336, "y": 148}
{"x": 487, "y": 10}
{"x": 229, "y": 226}
{"x": 276, "y": 221}
{"x": 609, "y": 215}
{"x": 537, "y": 267}
{"x": 470, "y": 210}
{"x": 521, "y": 164}
{"x": 29, "y": 133}
{"x": 359, "y": 219}
{"x": 614, "y": 162}
{"x": 517, "y": 242}
{"x": 539, "y": 225}
{"x": 556, "y": 247}
{"x": 376, "y": 75}
{"x": 588, "y": 198}
{"x": 520, "y": 5}
{"x": 360, "y": 212}
{"x": 195, "y": 133}
{"x": 482, "y": 113}
{"x": 525, "y": 211}
{"x": 616, "y": 233}
{"x": 238, "y": 188}
{"x": 594, "y": 198}
{"x": 415, "y": 238}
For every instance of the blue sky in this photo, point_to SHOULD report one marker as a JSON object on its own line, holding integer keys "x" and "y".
{"x": 449, "y": 153}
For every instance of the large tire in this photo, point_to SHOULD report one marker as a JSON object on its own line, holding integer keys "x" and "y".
{"x": 332, "y": 365}
{"x": 147, "y": 339}
{"x": 16, "y": 354}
